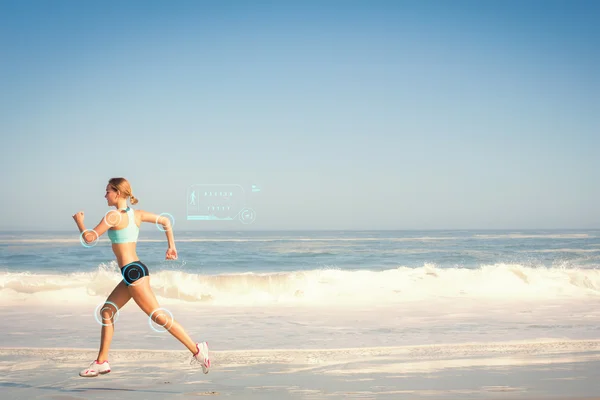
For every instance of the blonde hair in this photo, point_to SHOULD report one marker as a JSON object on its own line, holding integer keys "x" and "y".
{"x": 122, "y": 185}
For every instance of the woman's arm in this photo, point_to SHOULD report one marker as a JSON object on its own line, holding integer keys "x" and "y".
{"x": 167, "y": 228}
{"x": 91, "y": 235}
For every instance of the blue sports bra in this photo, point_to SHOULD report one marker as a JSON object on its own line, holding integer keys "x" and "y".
{"x": 127, "y": 234}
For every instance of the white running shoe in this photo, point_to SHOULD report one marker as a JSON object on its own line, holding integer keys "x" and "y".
{"x": 202, "y": 356}
{"x": 95, "y": 368}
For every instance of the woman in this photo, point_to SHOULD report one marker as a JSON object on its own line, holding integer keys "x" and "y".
{"x": 122, "y": 226}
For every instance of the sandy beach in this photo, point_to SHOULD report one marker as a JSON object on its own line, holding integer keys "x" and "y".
{"x": 512, "y": 370}
{"x": 254, "y": 356}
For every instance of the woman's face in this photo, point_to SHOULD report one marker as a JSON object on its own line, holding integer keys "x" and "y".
{"x": 111, "y": 196}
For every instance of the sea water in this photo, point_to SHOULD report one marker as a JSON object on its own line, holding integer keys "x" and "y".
{"x": 321, "y": 289}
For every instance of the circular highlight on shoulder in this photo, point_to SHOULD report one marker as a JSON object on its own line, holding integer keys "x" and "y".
{"x": 112, "y": 218}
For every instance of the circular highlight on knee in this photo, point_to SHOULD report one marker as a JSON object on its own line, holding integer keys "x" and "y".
{"x": 112, "y": 218}
{"x": 104, "y": 307}
{"x": 160, "y": 227}
{"x": 161, "y": 317}
{"x": 93, "y": 242}
{"x": 133, "y": 272}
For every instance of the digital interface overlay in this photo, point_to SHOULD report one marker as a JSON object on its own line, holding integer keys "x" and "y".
{"x": 220, "y": 202}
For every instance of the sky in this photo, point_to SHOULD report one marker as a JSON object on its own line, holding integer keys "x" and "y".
{"x": 348, "y": 115}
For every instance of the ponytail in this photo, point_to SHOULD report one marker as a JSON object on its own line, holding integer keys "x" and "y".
{"x": 122, "y": 185}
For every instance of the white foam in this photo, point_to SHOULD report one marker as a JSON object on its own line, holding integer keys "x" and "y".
{"x": 322, "y": 286}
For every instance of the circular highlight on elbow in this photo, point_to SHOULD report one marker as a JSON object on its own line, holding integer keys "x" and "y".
{"x": 89, "y": 238}
{"x": 165, "y": 222}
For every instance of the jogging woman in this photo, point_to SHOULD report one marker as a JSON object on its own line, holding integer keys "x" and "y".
{"x": 122, "y": 226}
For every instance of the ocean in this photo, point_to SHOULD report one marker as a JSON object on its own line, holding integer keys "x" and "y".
{"x": 270, "y": 268}
{"x": 312, "y": 314}
{"x": 324, "y": 289}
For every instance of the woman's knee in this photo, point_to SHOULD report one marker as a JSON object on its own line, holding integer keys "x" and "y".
{"x": 162, "y": 318}
{"x": 108, "y": 313}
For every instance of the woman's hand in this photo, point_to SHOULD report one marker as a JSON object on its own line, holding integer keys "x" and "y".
{"x": 78, "y": 217}
{"x": 171, "y": 253}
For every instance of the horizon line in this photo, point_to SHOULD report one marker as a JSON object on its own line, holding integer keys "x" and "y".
{"x": 332, "y": 230}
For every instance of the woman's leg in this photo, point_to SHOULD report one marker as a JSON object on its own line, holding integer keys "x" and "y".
{"x": 142, "y": 294}
{"x": 119, "y": 297}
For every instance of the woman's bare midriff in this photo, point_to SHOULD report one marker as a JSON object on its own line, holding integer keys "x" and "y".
{"x": 125, "y": 253}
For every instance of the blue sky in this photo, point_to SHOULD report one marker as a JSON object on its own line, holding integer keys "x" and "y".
{"x": 347, "y": 114}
